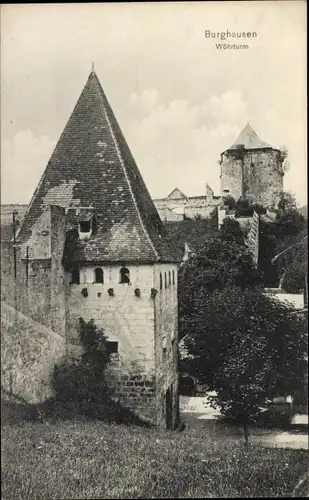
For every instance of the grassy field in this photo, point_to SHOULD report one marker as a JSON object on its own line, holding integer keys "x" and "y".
{"x": 81, "y": 460}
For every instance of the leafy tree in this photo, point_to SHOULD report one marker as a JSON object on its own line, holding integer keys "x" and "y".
{"x": 289, "y": 227}
{"x": 240, "y": 343}
{"x": 247, "y": 348}
{"x": 229, "y": 201}
{"x": 222, "y": 262}
{"x": 213, "y": 218}
{"x": 230, "y": 231}
{"x": 286, "y": 202}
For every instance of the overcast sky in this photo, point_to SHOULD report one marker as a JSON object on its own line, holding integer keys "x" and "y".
{"x": 179, "y": 101}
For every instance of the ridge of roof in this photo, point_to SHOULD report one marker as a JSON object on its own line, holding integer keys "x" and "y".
{"x": 249, "y": 139}
{"x": 93, "y": 168}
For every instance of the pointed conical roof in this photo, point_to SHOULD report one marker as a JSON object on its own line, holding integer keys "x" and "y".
{"x": 249, "y": 139}
{"x": 92, "y": 171}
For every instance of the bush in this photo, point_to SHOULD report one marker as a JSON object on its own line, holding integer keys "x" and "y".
{"x": 81, "y": 387}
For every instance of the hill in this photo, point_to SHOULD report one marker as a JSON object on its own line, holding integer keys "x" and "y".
{"x": 91, "y": 459}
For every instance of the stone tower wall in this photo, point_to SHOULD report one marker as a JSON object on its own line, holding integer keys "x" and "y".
{"x": 137, "y": 374}
{"x": 166, "y": 342}
{"x": 258, "y": 174}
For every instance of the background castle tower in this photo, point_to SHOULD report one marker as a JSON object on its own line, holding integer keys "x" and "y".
{"x": 97, "y": 249}
{"x": 252, "y": 169}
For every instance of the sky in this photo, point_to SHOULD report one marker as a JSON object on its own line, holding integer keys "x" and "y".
{"x": 179, "y": 100}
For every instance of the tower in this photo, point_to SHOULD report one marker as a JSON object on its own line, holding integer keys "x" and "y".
{"x": 252, "y": 169}
{"x": 97, "y": 249}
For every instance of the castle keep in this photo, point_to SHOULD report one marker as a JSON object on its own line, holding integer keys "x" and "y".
{"x": 252, "y": 169}
{"x": 92, "y": 245}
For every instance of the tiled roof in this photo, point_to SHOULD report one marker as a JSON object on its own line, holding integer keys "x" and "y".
{"x": 194, "y": 233}
{"x": 249, "y": 139}
{"x": 92, "y": 170}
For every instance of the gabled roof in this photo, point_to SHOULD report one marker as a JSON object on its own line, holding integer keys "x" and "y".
{"x": 92, "y": 169}
{"x": 249, "y": 139}
{"x": 176, "y": 194}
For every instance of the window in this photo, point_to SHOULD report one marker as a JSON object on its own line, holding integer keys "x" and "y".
{"x": 165, "y": 280}
{"x": 124, "y": 275}
{"x": 160, "y": 281}
{"x": 169, "y": 278}
{"x": 75, "y": 277}
{"x": 173, "y": 277}
{"x": 112, "y": 347}
{"x": 85, "y": 226}
{"x": 98, "y": 275}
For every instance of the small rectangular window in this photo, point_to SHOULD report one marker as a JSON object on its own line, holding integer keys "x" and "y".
{"x": 75, "y": 277}
{"x": 85, "y": 226}
{"x": 112, "y": 347}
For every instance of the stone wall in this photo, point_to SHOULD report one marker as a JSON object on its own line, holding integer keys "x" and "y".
{"x": 231, "y": 175}
{"x": 143, "y": 326}
{"x": 30, "y": 296}
{"x": 29, "y": 352}
{"x": 258, "y": 175}
{"x": 124, "y": 317}
{"x": 166, "y": 342}
{"x": 136, "y": 317}
{"x": 191, "y": 207}
{"x": 38, "y": 289}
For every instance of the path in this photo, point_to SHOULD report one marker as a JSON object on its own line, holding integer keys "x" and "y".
{"x": 196, "y": 411}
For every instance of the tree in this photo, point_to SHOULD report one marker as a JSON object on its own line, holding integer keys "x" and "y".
{"x": 250, "y": 348}
{"x": 289, "y": 227}
{"x": 230, "y": 231}
{"x": 240, "y": 343}
{"x": 229, "y": 201}
{"x": 222, "y": 262}
{"x": 286, "y": 202}
{"x": 213, "y": 218}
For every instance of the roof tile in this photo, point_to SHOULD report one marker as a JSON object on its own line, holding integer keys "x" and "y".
{"x": 92, "y": 168}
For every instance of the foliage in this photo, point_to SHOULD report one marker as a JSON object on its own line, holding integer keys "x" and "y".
{"x": 213, "y": 218}
{"x": 286, "y": 202}
{"x": 197, "y": 216}
{"x": 81, "y": 386}
{"x": 83, "y": 382}
{"x": 230, "y": 231}
{"x": 284, "y": 159}
{"x": 288, "y": 228}
{"x": 222, "y": 262}
{"x": 229, "y": 201}
{"x": 244, "y": 345}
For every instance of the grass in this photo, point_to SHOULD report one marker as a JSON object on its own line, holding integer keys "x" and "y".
{"x": 91, "y": 459}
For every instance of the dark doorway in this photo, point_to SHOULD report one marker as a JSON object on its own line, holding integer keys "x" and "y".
{"x": 169, "y": 407}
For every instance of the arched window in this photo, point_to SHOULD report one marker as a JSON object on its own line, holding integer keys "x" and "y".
{"x": 169, "y": 278}
{"x": 173, "y": 277}
{"x": 165, "y": 280}
{"x": 75, "y": 277}
{"x": 124, "y": 275}
{"x": 98, "y": 275}
{"x": 160, "y": 281}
